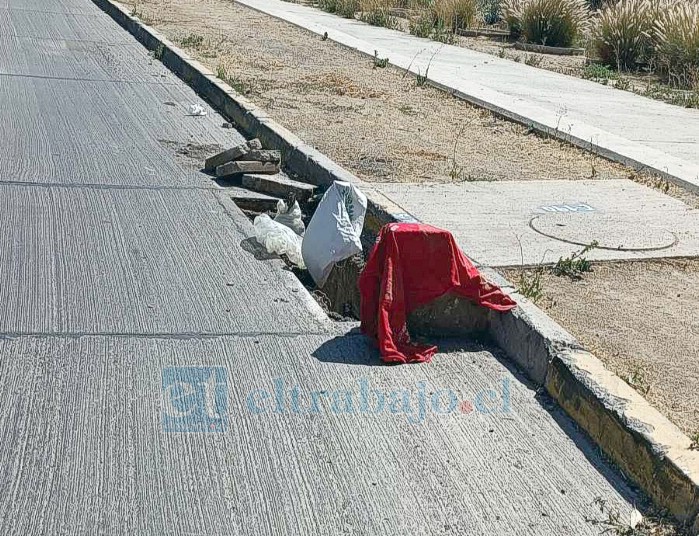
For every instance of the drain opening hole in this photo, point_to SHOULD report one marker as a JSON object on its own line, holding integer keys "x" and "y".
{"x": 339, "y": 297}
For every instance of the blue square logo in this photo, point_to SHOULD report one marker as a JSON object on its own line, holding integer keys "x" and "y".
{"x": 195, "y": 399}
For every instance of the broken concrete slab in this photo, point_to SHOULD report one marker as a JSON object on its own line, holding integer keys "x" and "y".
{"x": 264, "y": 156}
{"x": 226, "y": 156}
{"x": 249, "y": 200}
{"x": 244, "y": 166}
{"x": 278, "y": 185}
{"x": 514, "y": 223}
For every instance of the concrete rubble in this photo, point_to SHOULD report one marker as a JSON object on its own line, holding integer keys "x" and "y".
{"x": 248, "y": 157}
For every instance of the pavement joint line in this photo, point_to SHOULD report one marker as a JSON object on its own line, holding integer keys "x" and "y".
{"x": 643, "y": 443}
{"x": 101, "y": 80}
{"x": 72, "y": 13}
{"x": 165, "y": 335}
{"x": 97, "y": 186}
{"x": 62, "y": 40}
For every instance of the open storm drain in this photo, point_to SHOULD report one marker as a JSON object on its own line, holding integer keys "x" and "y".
{"x": 616, "y": 232}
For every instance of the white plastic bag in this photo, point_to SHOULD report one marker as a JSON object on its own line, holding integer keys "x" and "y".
{"x": 279, "y": 239}
{"x": 334, "y": 231}
{"x": 290, "y": 217}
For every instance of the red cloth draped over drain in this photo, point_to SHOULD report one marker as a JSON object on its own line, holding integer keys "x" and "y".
{"x": 411, "y": 265}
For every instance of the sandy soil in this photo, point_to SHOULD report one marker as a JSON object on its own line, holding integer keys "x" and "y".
{"x": 640, "y": 319}
{"x": 374, "y": 121}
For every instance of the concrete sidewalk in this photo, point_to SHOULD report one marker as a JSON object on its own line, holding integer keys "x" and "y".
{"x": 635, "y": 130}
{"x": 119, "y": 260}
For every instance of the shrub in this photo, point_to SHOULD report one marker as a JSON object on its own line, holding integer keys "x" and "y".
{"x": 378, "y": 13}
{"x": 556, "y": 23}
{"x": 490, "y": 10}
{"x": 344, "y": 8}
{"x": 422, "y": 25}
{"x": 622, "y": 33}
{"x": 454, "y": 14}
{"x": 676, "y": 36}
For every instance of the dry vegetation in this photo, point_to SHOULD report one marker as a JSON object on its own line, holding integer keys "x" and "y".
{"x": 375, "y": 121}
{"x": 657, "y": 40}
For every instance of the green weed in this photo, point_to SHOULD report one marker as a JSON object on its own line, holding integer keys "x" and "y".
{"x": 695, "y": 441}
{"x": 529, "y": 284}
{"x": 532, "y": 60}
{"x": 381, "y": 63}
{"x": 575, "y": 265}
{"x": 192, "y": 41}
{"x": 158, "y": 53}
{"x": 597, "y": 71}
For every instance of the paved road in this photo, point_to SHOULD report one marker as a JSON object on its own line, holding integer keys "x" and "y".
{"x": 648, "y": 132}
{"x": 119, "y": 261}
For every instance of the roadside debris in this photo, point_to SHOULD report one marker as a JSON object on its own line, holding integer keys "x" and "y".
{"x": 411, "y": 265}
{"x": 290, "y": 216}
{"x": 334, "y": 232}
{"x": 248, "y": 157}
{"x": 278, "y": 185}
{"x": 196, "y": 110}
{"x": 278, "y": 238}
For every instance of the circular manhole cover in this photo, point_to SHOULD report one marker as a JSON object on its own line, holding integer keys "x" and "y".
{"x": 614, "y": 232}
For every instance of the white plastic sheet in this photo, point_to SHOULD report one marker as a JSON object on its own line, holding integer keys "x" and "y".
{"x": 278, "y": 238}
{"x": 334, "y": 231}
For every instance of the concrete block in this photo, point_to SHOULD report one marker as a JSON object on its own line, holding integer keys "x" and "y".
{"x": 226, "y": 156}
{"x": 264, "y": 156}
{"x": 255, "y": 201}
{"x": 243, "y": 166}
{"x": 278, "y": 185}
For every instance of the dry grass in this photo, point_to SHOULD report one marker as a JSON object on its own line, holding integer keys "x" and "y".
{"x": 455, "y": 14}
{"x": 557, "y": 23}
{"x": 622, "y": 33}
{"x": 677, "y": 44}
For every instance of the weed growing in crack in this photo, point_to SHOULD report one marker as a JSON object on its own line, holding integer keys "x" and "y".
{"x": 420, "y": 79}
{"x": 532, "y": 60}
{"x": 236, "y": 83}
{"x": 158, "y": 53}
{"x": 653, "y": 523}
{"x": 140, "y": 15}
{"x": 381, "y": 63}
{"x": 637, "y": 379}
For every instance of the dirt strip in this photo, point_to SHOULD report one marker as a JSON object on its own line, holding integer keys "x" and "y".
{"x": 640, "y": 319}
{"x": 377, "y": 122}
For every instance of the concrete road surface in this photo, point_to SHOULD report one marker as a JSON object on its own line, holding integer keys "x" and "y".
{"x": 155, "y": 378}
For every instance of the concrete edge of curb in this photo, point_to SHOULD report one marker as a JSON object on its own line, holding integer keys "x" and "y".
{"x": 639, "y": 439}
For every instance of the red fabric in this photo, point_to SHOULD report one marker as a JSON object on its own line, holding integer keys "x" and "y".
{"x": 411, "y": 265}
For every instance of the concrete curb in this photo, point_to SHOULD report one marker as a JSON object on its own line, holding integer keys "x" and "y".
{"x": 645, "y": 444}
